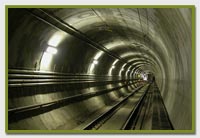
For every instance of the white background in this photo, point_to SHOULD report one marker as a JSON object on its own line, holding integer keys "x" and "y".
{"x": 94, "y": 2}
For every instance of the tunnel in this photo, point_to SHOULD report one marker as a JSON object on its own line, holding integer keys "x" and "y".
{"x": 99, "y": 68}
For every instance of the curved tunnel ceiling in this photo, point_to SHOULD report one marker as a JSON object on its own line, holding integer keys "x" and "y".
{"x": 127, "y": 29}
{"x": 122, "y": 42}
{"x": 120, "y": 31}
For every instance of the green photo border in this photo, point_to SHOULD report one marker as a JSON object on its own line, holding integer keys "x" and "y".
{"x": 192, "y": 131}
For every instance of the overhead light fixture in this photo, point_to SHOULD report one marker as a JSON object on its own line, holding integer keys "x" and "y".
{"x": 113, "y": 67}
{"x": 51, "y": 50}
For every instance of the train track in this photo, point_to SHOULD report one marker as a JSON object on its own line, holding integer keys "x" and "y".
{"x": 105, "y": 120}
{"x": 142, "y": 109}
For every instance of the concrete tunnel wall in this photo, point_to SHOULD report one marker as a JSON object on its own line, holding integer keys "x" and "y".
{"x": 137, "y": 40}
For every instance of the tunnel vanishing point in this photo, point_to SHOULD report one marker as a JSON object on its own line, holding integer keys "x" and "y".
{"x": 99, "y": 68}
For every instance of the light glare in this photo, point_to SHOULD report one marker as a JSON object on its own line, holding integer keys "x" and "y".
{"x": 46, "y": 61}
{"x": 51, "y": 50}
{"x": 56, "y": 39}
{"x": 95, "y": 62}
{"x": 145, "y": 78}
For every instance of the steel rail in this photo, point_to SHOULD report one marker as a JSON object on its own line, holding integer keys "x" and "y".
{"x": 110, "y": 111}
{"x": 134, "y": 111}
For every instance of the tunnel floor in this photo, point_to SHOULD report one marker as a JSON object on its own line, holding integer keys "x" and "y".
{"x": 141, "y": 108}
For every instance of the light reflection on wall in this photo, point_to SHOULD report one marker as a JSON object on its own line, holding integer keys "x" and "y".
{"x": 128, "y": 54}
{"x": 122, "y": 69}
{"x": 56, "y": 39}
{"x": 114, "y": 44}
{"x": 131, "y": 74}
{"x": 128, "y": 71}
{"x": 94, "y": 62}
{"x": 46, "y": 61}
{"x": 112, "y": 67}
{"x": 136, "y": 73}
{"x": 130, "y": 60}
{"x": 47, "y": 56}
